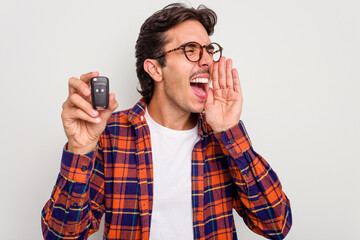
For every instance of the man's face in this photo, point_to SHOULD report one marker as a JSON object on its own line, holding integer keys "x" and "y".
{"x": 180, "y": 75}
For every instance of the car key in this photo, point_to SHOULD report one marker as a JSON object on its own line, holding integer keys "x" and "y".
{"x": 100, "y": 92}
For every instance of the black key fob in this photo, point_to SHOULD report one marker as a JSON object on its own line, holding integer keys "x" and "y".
{"x": 100, "y": 92}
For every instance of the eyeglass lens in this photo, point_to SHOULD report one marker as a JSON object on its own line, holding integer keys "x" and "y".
{"x": 194, "y": 50}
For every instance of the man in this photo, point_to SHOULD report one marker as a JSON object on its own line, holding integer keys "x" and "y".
{"x": 176, "y": 164}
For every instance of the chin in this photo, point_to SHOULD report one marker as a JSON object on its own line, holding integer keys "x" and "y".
{"x": 199, "y": 108}
{"x": 196, "y": 105}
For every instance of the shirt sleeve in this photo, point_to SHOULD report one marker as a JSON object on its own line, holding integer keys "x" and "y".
{"x": 76, "y": 205}
{"x": 259, "y": 198}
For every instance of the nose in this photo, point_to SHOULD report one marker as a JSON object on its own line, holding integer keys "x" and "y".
{"x": 206, "y": 60}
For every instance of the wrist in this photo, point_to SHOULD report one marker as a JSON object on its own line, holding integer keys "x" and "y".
{"x": 80, "y": 150}
{"x": 224, "y": 128}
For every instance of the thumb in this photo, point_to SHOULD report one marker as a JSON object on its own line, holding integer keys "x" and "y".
{"x": 210, "y": 97}
{"x": 105, "y": 114}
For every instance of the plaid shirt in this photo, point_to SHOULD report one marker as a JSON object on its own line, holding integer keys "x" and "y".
{"x": 117, "y": 179}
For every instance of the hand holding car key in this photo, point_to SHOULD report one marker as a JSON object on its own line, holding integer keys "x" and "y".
{"x": 82, "y": 120}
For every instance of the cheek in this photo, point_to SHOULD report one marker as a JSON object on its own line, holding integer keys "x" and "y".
{"x": 177, "y": 73}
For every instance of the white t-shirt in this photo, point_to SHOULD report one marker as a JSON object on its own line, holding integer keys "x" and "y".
{"x": 172, "y": 215}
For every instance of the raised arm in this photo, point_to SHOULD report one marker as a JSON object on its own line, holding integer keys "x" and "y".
{"x": 76, "y": 204}
{"x": 259, "y": 198}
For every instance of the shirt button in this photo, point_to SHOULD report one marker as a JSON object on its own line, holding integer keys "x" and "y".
{"x": 75, "y": 205}
{"x": 231, "y": 141}
{"x": 83, "y": 168}
{"x": 247, "y": 174}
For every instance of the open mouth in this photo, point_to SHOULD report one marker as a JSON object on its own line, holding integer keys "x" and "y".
{"x": 199, "y": 86}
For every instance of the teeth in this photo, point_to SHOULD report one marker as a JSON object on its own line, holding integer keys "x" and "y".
{"x": 200, "y": 80}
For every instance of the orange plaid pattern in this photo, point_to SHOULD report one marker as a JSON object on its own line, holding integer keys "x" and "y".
{"x": 116, "y": 179}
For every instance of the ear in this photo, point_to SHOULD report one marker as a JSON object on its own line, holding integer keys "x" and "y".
{"x": 153, "y": 68}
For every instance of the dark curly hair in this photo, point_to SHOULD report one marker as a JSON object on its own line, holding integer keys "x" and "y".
{"x": 152, "y": 38}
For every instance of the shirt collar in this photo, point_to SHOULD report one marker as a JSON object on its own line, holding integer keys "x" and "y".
{"x": 136, "y": 116}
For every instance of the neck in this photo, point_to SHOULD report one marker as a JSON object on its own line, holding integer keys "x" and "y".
{"x": 170, "y": 116}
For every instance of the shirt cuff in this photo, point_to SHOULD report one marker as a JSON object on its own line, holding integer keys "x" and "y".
{"x": 235, "y": 140}
{"x": 76, "y": 167}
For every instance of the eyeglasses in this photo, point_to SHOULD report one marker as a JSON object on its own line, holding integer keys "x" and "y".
{"x": 194, "y": 51}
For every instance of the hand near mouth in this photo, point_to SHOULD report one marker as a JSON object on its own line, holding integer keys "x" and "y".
{"x": 224, "y": 102}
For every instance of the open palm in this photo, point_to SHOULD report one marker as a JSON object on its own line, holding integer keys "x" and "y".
{"x": 224, "y": 101}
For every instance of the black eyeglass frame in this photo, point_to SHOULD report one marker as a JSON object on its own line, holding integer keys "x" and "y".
{"x": 182, "y": 47}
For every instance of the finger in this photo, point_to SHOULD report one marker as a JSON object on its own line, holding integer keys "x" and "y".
{"x": 215, "y": 76}
{"x": 78, "y": 86}
{"x": 77, "y": 113}
{"x": 113, "y": 104}
{"x": 237, "y": 86}
{"x": 88, "y": 76}
{"x": 222, "y": 73}
{"x": 229, "y": 76}
{"x": 105, "y": 114}
{"x": 78, "y": 102}
{"x": 67, "y": 104}
{"x": 210, "y": 97}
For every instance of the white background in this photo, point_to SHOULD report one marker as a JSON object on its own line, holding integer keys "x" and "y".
{"x": 299, "y": 67}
